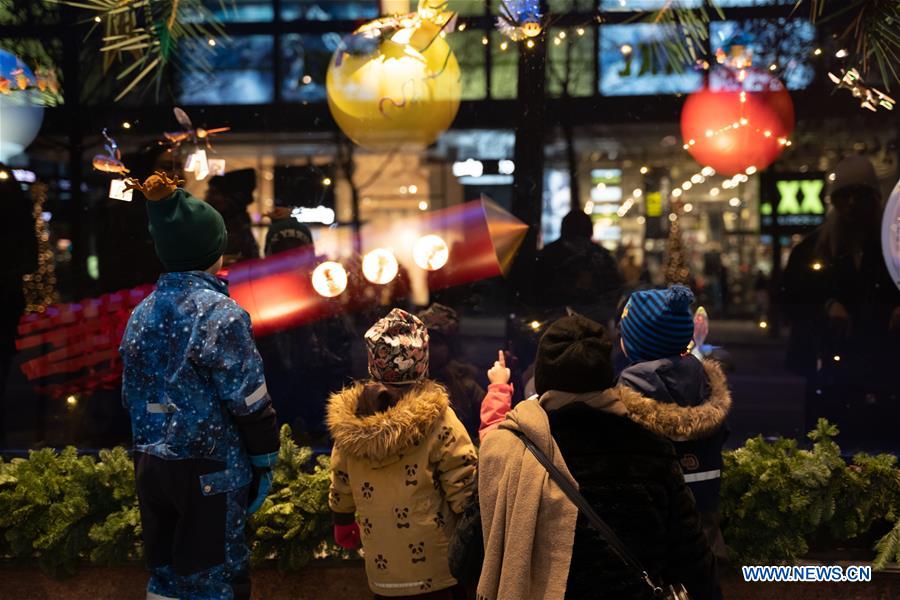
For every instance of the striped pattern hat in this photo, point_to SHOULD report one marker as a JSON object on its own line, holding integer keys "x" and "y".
{"x": 657, "y": 323}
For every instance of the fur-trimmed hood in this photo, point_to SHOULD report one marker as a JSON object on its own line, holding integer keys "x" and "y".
{"x": 672, "y": 419}
{"x": 383, "y": 435}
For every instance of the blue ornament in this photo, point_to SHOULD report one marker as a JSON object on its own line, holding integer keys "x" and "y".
{"x": 520, "y": 19}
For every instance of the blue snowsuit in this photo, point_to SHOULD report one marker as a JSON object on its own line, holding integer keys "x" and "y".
{"x": 193, "y": 384}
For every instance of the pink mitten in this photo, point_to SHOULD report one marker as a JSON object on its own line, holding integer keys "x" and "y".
{"x": 347, "y": 536}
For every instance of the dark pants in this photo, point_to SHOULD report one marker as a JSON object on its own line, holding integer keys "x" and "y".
{"x": 193, "y": 542}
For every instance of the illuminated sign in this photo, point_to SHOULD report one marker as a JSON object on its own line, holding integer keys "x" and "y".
{"x": 654, "y": 204}
{"x": 792, "y": 201}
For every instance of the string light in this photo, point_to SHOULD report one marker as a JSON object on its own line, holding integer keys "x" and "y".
{"x": 763, "y": 324}
{"x": 580, "y": 31}
{"x": 307, "y": 80}
{"x": 97, "y": 19}
{"x": 211, "y": 42}
{"x": 504, "y": 46}
{"x": 842, "y": 53}
{"x": 430, "y": 252}
{"x": 484, "y": 41}
{"x": 326, "y": 182}
{"x": 40, "y": 287}
{"x": 530, "y": 43}
{"x": 4, "y": 175}
{"x": 688, "y": 207}
{"x": 556, "y": 41}
{"x": 423, "y": 205}
{"x": 626, "y": 49}
{"x": 380, "y": 266}
{"x": 126, "y": 125}
{"x": 750, "y": 170}
{"x": 714, "y": 192}
{"x": 676, "y": 193}
{"x": 329, "y": 279}
{"x": 562, "y": 35}
{"x": 413, "y": 189}
{"x": 644, "y": 170}
{"x": 817, "y": 51}
{"x": 462, "y": 27}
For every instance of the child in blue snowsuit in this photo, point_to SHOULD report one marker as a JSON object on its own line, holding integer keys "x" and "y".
{"x": 692, "y": 397}
{"x": 205, "y": 436}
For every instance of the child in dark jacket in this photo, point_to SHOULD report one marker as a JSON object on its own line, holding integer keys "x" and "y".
{"x": 656, "y": 330}
{"x": 205, "y": 435}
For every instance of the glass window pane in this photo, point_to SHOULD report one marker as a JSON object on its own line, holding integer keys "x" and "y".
{"x": 640, "y": 5}
{"x": 236, "y": 11}
{"x": 306, "y": 58}
{"x": 469, "y": 51}
{"x": 634, "y": 61}
{"x": 787, "y": 44}
{"x": 329, "y": 10}
{"x": 504, "y": 66}
{"x": 570, "y": 64}
{"x": 240, "y": 72}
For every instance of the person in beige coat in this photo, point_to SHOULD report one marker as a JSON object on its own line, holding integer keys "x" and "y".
{"x": 403, "y": 466}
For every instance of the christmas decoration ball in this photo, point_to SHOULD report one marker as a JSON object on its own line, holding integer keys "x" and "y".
{"x": 736, "y": 129}
{"x": 21, "y": 110}
{"x": 394, "y": 83}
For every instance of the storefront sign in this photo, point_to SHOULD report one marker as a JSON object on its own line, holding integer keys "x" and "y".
{"x": 792, "y": 202}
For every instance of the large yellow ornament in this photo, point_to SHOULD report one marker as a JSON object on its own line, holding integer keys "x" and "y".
{"x": 394, "y": 83}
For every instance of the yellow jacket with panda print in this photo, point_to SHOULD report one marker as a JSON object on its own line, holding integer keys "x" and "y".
{"x": 406, "y": 472}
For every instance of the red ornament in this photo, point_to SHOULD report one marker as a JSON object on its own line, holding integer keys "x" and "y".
{"x": 746, "y": 125}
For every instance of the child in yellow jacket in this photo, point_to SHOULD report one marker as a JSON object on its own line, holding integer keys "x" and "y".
{"x": 403, "y": 466}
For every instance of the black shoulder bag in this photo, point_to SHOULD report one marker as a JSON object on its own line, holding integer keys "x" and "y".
{"x": 670, "y": 592}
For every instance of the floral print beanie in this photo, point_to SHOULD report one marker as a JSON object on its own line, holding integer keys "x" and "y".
{"x": 398, "y": 349}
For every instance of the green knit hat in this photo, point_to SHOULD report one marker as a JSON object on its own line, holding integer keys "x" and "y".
{"x": 189, "y": 235}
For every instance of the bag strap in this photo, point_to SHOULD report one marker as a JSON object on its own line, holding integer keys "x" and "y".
{"x": 593, "y": 518}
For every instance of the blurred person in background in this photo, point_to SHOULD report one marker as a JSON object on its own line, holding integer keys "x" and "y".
{"x": 575, "y": 272}
{"x": 231, "y": 194}
{"x": 448, "y": 365}
{"x": 19, "y": 249}
{"x": 844, "y": 311}
{"x": 304, "y": 365}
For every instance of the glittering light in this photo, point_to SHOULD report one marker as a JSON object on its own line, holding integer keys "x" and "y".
{"x": 687, "y": 185}
{"x": 423, "y": 205}
{"x": 535, "y": 325}
{"x": 676, "y": 192}
{"x": 430, "y": 252}
{"x": 773, "y": 67}
{"x": 644, "y": 170}
{"x": 750, "y": 170}
{"x": 837, "y": 358}
{"x": 580, "y": 31}
{"x": 763, "y": 324}
{"x": 329, "y": 279}
{"x": 4, "y": 175}
{"x": 413, "y": 189}
{"x": 817, "y": 51}
{"x": 307, "y": 80}
{"x": 462, "y": 27}
{"x": 626, "y": 49}
{"x": 326, "y": 182}
{"x": 556, "y": 41}
{"x": 484, "y": 41}
{"x": 842, "y": 53}
{"x": 637, "y": 193}
{"x": 696, "y": 178}
{"x": 504, "y": 46}
{"x": 72, "y": 401}
{"x": 817, "y": 266}
{"x": 211, "y": 42}
{"x": 673, "y": 217}
{"x": 641, "y": 220}
{"x": 688, "y": 207}
{"x": 735, "y": 202}
{"x": 714, "y": 192}
{"x": 562, "y": 35}
{"x": 707, "y": 171}
{"x": 380, "y": 266}
{"x": 126, "y": 125}
{"x": 530, "y": 43}
{"x": 97, "y": 19}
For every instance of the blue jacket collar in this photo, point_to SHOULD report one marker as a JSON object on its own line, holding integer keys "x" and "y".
{"x": 192, "y": 279}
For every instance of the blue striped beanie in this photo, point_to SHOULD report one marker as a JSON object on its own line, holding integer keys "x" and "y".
{"x": 657, "y": 323}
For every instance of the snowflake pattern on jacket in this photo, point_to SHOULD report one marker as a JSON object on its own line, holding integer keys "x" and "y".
{"x": 190, "y": 369}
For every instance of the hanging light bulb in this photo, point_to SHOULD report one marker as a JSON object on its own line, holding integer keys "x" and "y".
{"x": 380, "y": 266}
{"x": 430, "y": 252}
{"x": 329, "y": 279}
